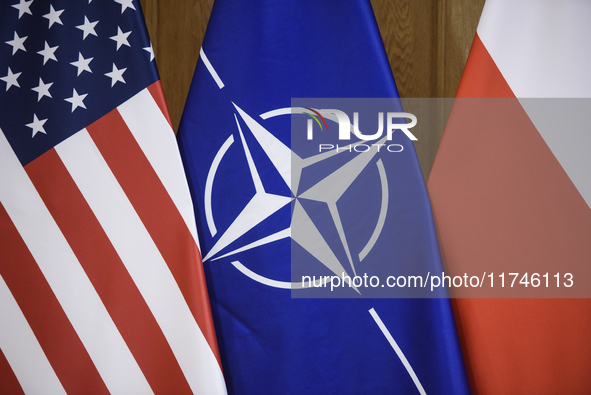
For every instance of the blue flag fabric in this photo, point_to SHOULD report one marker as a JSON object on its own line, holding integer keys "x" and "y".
{"x": 256, "y": 57}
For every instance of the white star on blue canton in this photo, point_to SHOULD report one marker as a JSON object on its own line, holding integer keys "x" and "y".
{"x": 17, "y": 43}
{"x": 116, "y": 75}
{"x": 125, "y": 4}
{"x": 87, "y": 28}
{"x": 82, "y": 64}
{"x": 48, "y": 52}
{"x": 150, "y": 50}
{"x": 77, "y": 100}
{"x": 37, "y": 125}
{"x": 121, "y": 38}
{"x": 42, "y": 89}
{"x": 24, "y": 7}
{"x": 53, "y": 16}
{"x": 11, "y": 79}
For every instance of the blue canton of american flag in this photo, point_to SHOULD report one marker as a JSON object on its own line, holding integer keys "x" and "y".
{"x": 64, "y": 64}
{"x": 102, "y": 288}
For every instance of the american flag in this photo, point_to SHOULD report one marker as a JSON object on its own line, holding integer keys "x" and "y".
{"x": 101, "y": 282}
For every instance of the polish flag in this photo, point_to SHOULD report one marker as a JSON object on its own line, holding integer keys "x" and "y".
{"x": 513, "y": 193}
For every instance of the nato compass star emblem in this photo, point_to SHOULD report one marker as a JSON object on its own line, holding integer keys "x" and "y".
{"x": 263, "y": 203}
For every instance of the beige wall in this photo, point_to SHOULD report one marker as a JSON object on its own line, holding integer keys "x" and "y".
{"x": 427, "y": 42}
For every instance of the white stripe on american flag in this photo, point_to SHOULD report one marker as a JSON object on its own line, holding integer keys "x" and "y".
{"x": 22, "y": 350}
{"x": 147, "y": 123}
{"x": 142, "y": 259}
{"x": 64, "y": 274}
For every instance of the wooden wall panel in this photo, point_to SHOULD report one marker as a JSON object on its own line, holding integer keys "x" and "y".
{"x": 427, "y": 42}
{"x": 176, "y": 29}
{"x": 409, "y": 33}
{"x": 460, "y": 19}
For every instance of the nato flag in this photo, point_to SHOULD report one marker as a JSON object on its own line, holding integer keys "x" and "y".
{"x": 275, "y": 336}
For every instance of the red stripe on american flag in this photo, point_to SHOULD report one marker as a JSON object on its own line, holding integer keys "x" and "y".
{"x": 159, "y": 215}
{"x": 158, "y": 94}
{"x": 108, "y": 274}
{"x": 8, "y": 382}
{"x": 58, "y": 339}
